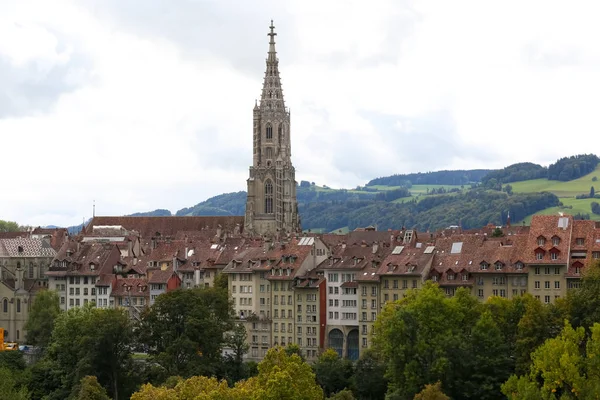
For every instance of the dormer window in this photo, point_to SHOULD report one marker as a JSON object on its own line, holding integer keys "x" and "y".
{"x": 484, "y": 266}
{"x": 555, "y": 241}
{"x": 539, "y": 255}
{"x": 580, "y": 241}
{"x": 434, "y": 278}
{"x": 554, "y": 255}
{"x": 519, "y": 266}
{"x": 498, "y": 266}
{"x": 541, "y": 241}
{"x": 450, "y": 276}
{"x": 465, "y": 276}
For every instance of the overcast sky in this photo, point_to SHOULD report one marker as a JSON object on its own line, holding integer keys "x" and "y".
{"x": 148, "y": 104}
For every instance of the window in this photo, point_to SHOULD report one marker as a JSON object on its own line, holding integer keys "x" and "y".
{"x": 556, "y": 284}
{"x": 450, "y": 276}
{"x": 269, "y": 132}
{"x": 537, "y": 270}
{"x": 555, "y": 241}
{"x": 596, "y": 254}
{"x": 269, "y": 152}
{"x": 268, "y": 197}
{"x": 554, "y": 255}
{"x": 85, "y": 291}
{"x": 519, "y": 266}
{"x": 539, "y": 255}
{"x": 483, "y": 266}
{"x": 541, "y": 241}
{"x": 5, "y": 306}
{"x": 498, "y": 266}
{"x": 30, "y": 272}
{"x": 480, "y": 293}
{"x": 18, "y": 305}
{"x": 537, "y": 284}
{"x": 465, "y": 276}
{"x": 546, "y": 299}
{"x": 580, "y": 241}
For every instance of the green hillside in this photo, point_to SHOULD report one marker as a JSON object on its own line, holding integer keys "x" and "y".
{"x": 566, "y": 192}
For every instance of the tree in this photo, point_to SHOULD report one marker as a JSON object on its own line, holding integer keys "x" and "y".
{"x": 583, "y": 303}
{"x": 333, "y": 372}
{"x": 8, "y": 387}
{"x": 90, "y": 389}
{"x": 488, "y": 365}
{"x": 592, "y": 192}
{"x": 345, "y": 394}
{"x": 422, "y": 337}
{"x": 236, "y": 341}
{"x": 564, "y": 367}
{"x": 88, "y": 341}
{"x": 281, "y": 377}
{"x": 40, "y": 322}
{"x": 8, "y": 226}
{"x": 432, "y": 392}
{"x": 368, "y": 381}
{"x": 185, "y": 330}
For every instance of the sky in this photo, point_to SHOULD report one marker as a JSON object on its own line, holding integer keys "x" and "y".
{"x": 139, "y": 105}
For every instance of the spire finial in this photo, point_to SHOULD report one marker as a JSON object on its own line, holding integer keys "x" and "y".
{"x": 272, "y": 34}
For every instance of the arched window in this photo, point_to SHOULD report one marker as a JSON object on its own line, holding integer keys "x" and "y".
{"x": 280, "y": 133}
{"x": 18, "y": 305}
{"x": 30, "y": 272}
{"x": 269, "y": 132}
{"x": 5, "y": 305}
{"x": 269, "y": 152}
{"x": 268, "y": 197}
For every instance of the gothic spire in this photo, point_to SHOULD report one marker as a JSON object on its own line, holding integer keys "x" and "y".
{"x": 272, "y": 94}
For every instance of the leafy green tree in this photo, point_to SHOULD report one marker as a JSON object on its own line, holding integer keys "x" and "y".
{"x": 234, "y": 363}
{"x": 432, "y": 392}
{"x": 40, "y": 322}
{"x": 538, "y": 323}
{"x": 89, "y": 389}
{"x": 185, "y": 330}
{"x": 91, "y": 341}
{"x": 333, "y": 372}
{"x": 368, "y": 381}
{"x": 592, "y": 192}
{"x": 423, "y": 339}
{"x": 345, "y": 394}
{"x": 8, "y": 387}
{"x": 8, "y": 226}
{"x": 563, "y": 368}
{"x": 488, "y": 363}
{"x": 281, "y": 377}
{"x": 583, "y": 303}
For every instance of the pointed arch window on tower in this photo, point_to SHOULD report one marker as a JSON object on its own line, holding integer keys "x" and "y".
{"x": 268, "y": 197}
{"x": 269, "y": 153}
{"x": 280, "y": 133}
{"x": 269, "y": 132}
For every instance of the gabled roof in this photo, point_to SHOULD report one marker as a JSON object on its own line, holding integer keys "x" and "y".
{"x": 26, "y": 247}
{"x": 169, "y": 226}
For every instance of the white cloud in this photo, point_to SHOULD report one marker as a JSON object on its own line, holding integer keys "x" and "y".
{"x": 149, "y": 106}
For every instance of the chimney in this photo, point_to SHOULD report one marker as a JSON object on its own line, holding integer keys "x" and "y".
{"x": 219, "y": 230}
{"x": 186, "y": 253}
{"x": 375, "y": 247}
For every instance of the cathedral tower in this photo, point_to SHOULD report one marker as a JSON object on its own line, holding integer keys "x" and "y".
{"x": 271, "y": 207}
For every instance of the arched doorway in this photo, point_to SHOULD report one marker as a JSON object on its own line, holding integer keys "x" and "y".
{"x": 353, "y": 345}
{"x": 336, "y": 341}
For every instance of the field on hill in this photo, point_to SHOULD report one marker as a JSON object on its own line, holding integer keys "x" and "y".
{"x": 566, "y": 192}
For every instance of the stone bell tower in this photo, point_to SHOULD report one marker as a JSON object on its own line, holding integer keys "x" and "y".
{"x": 271, "y": 207}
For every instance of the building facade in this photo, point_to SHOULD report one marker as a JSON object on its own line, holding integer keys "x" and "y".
{"x": 271, "y": 206}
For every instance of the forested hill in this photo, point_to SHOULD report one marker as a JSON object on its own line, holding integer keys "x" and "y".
{"x": 563, "y": 170}
{"x": 458, "y": 177}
